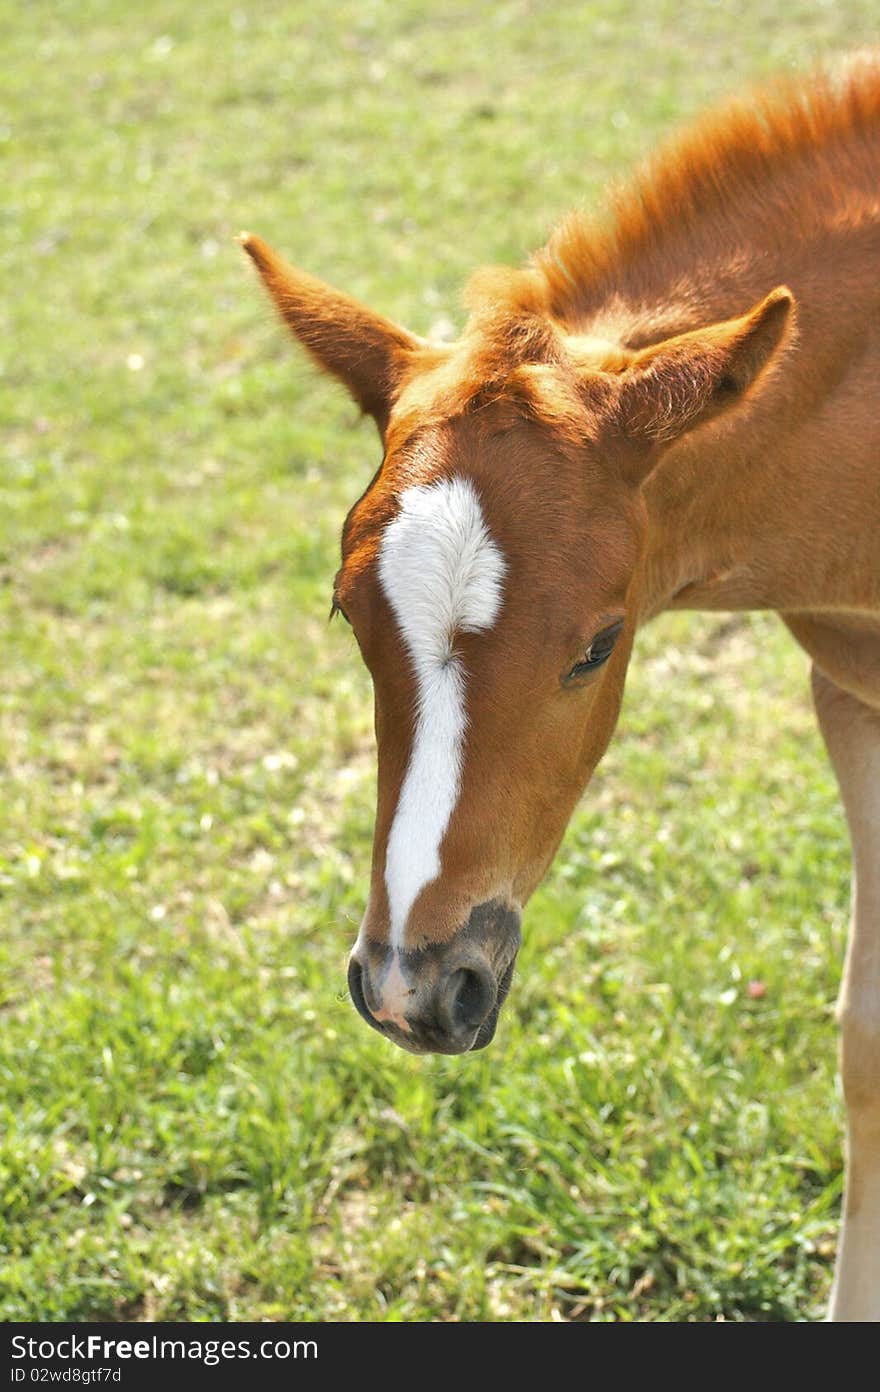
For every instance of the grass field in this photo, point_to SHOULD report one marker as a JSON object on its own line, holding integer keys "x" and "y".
{"x": 194, "y": 1124}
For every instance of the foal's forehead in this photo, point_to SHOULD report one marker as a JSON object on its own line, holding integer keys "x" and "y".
{"x": 440, "y": 568}
{"x": 512, "y": 466}
{"x": 459, "y": 502}
{"x": 423, "y": 477}
{"x": 429, "y": 548}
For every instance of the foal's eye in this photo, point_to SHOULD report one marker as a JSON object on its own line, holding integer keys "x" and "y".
{"x": 598, "y": 652}
{"x": 336, "y": 608}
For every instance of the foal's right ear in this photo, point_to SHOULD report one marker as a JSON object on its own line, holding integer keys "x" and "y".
{"x": 367, "y": 353}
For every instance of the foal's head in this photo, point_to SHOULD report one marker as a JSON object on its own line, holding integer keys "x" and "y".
{"x": 488, "y": 573}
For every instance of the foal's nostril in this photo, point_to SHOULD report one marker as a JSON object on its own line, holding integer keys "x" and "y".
{"x": 356, "y": 990}
{"x": 468, "y": 996}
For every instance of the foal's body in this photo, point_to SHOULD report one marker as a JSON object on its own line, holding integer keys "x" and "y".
{"x": 799, "y": 533}
{"x": 700, "y": 457}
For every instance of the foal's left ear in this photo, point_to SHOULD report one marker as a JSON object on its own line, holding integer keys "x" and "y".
{"x": 672, "y": 386}
{"x": 367, "y": 353}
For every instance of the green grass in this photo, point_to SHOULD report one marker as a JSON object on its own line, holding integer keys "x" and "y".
{"x": 193, "y": 1122}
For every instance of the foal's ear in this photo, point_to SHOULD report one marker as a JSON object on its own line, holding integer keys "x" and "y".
{"x": 675, "y": 385}
{"x": 366, "y": 352}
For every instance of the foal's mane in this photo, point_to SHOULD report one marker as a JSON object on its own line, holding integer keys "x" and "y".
{"x": 793, "y": 156}
{"x": 788, "y": 161}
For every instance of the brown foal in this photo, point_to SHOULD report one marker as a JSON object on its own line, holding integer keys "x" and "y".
{"x": 675, "y": 407}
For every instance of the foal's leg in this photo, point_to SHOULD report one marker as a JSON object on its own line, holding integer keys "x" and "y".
{"x": 852, "y": 734}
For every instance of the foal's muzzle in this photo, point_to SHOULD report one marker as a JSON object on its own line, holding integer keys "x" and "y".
{"x": 443, "y": 998}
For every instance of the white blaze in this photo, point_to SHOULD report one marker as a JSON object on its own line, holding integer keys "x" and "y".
{"x": 441, "y": 573}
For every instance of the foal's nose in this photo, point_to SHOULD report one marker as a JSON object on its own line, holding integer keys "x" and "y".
{"x": 442, "y": 1011}
{"x": 444, "y": 997}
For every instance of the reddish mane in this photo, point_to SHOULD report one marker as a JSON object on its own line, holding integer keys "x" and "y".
{"x": 797, "y": 150}
{"x": 720, "y": 195}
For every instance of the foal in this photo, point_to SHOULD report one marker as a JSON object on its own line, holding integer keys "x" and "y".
{"x": 675, "y": 408}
